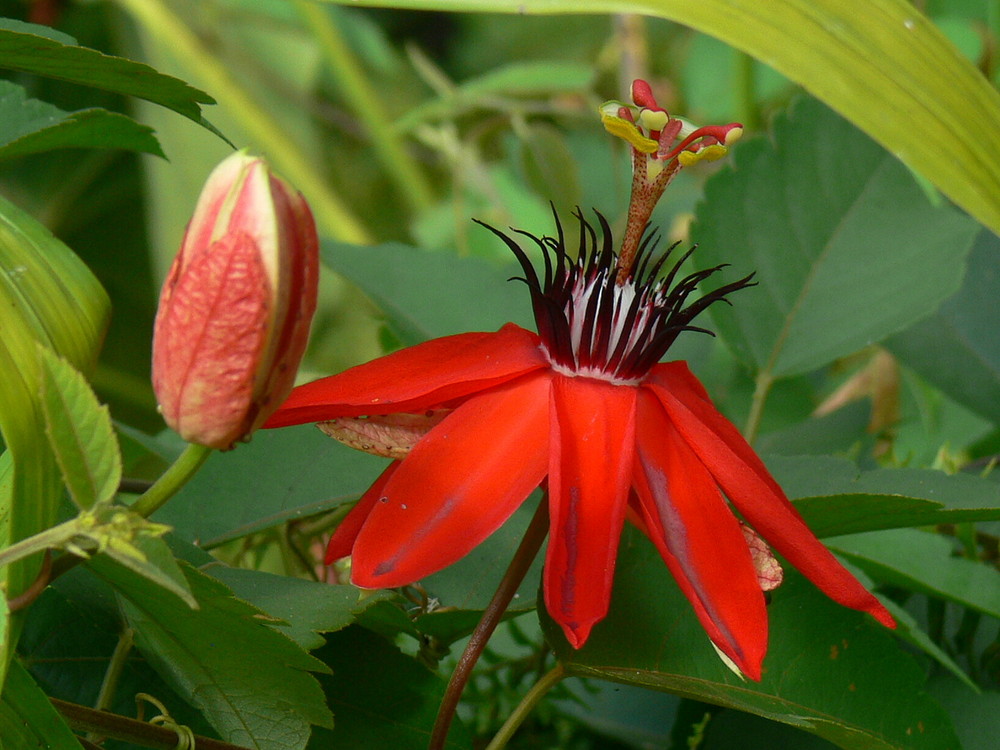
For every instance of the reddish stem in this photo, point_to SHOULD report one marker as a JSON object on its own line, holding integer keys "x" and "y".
{"x": 518, "y": 568}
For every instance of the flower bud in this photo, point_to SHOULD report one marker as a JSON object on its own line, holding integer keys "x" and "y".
{"x": 235, "y": 309}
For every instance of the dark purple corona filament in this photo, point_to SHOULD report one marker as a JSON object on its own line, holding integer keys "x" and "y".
{"x": 594, "y": 324}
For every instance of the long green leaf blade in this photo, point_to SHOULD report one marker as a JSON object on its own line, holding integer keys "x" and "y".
{"x": 48, "y": 297}
{"x": 27, "y": 718}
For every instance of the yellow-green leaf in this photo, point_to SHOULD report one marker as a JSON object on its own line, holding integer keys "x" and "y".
{"x": 48, "y": 297}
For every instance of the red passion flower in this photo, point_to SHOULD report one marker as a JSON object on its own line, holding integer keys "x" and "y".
{"x": 585, "y": 407}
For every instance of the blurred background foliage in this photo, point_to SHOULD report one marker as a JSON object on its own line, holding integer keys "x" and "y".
{"x": 401, "y": 126}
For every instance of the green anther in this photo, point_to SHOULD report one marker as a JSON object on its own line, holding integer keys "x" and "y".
{"x": 652, "y": 119}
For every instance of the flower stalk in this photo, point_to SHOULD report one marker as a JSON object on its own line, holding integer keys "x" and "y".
{"x": 172, "y": 480}
{"x": 531, "y": 699}
{"x": 116, "y": 727}
{"x": 525, "y": 555}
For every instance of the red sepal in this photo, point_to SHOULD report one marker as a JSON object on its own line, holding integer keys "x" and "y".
{"x": 699, "y": 538}
{"x": 457, "y": 485}
{"x": 751, "y": 488}
{"x": 342, "y": 542}
{"x": 416, "y": 378}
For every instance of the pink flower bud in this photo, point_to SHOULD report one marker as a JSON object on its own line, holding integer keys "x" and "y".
{"x": 236, "y": 306}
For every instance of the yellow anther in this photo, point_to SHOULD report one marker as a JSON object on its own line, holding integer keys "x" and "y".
{"x": 733, "y": 135}
{"x": 622, "y": 128}
{"x": 707, "y": 153}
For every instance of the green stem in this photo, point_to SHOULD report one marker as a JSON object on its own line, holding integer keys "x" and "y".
{"x": 761, "y": 389}
{"x": 359, "y": 93}
{"x": 525, "y": 707}
{"x": 518, "y": 568}
{"x": 119, "y": 657}
{"x": 51, "y": 538}
{"x": 746, "y": 91}
{"x": 106, "y": 695}
{"x": 966, "y": 534}
{"x": 171, "y": 480}
{"x": 335, "y": 219}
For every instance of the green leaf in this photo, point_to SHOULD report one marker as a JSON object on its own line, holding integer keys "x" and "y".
{"x": 151, "y": 558}
{"x": 425, "y": 295}
{"x": 30, "y": 126}
{"x": 842, "y": 432}
{"x": 27, "y": 718}
{"x": 835, "y": 499}
{"x": 847, "y": 249}
{"x": 384, "y": 700}
{"x": 829, "y": 670}
{"x": 280, "y": 475}
{"x": 908, "y": 630}
{"x": 49, "y": 297}
{"x": 80, "y": 433}
{"x": 957, "y": 348}
{"x": 976, "y": 716}
{"x": 882, "y": 64}
{"x": 306, "y": 608}
{"x": 249, "y": 680}
{"x": 12, "y": 24}
{"x": 69, "y": 635}
{"x": 922, "y": 561}
{"x": 61, "y": 58}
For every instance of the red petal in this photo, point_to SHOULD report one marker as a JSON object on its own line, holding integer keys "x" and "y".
{"x": 342, "y": 541}
{"x": 593, "y": 428}
{"x": 752, "y": 489}
{"x": 699, "y": 537}
{"x": 457, "y": 486}
{"x": 416, "y": 378}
